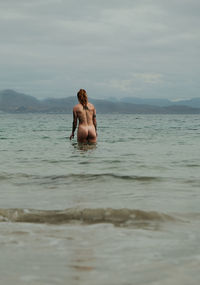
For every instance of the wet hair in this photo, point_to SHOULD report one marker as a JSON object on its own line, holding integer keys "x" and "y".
{"x": 82, "y": 97}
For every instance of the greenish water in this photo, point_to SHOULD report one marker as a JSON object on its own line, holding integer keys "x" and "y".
{"x": 125, "y": 211}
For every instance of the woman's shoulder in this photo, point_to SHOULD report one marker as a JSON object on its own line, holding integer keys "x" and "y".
{"x": 90, "y": 106}
{"x": 77, "y": 106}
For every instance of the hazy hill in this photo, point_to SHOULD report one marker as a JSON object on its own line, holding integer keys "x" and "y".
{"x": 194, "y": 103}
{"x": 11, "y": 101}
{"x": 152, "y": 102}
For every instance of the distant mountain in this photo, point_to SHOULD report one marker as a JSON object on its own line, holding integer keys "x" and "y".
{"x": 194, "y": 103}
{"x": 153, "y": 102}
{"x": 63, "y": 105}
{"x": 12, "y": 101}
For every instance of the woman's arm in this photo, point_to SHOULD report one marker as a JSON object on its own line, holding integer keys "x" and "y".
{"x": 74, "y": 124}
{"x": 94, "y": 118}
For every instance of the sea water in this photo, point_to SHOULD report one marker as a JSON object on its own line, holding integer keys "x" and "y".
{"x": 123, "y": 211}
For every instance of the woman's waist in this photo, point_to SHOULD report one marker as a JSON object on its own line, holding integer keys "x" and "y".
{"x": 85, "y": 125}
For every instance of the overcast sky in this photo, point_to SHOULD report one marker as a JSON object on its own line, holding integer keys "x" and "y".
{"x": 111, "y": 48}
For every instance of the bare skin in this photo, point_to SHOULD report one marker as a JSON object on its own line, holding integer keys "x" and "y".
{"x": 87, "y": 127}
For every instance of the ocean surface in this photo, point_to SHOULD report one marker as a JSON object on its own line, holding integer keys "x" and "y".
{"x": 124, "y": 212}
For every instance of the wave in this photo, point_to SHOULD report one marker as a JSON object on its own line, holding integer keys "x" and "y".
{"x": 81, "y": 177}
{"x": 8, "y": 176}
{"x": 105, "y": 175}
{"x": 117, "y": 217}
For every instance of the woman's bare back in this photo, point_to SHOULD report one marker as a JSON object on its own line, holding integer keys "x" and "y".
{"x": 87, "y": 123}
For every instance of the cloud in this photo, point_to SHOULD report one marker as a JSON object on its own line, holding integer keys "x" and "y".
{"x": 149, "y": 78}
{"x": 53, "y": 47}
{"x": 137, "y": 82}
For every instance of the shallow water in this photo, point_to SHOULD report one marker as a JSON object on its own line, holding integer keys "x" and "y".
{"x": 125, "y": 211}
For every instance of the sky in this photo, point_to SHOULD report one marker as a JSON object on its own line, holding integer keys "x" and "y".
{"x": 111, "y": 48}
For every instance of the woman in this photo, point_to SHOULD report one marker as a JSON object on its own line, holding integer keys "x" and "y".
{"x": 86, "y": 114}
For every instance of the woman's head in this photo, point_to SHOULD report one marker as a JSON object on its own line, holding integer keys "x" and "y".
{"x": 82, "y": 97}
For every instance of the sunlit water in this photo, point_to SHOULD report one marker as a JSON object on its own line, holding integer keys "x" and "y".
{"x": 126, "y": 211}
